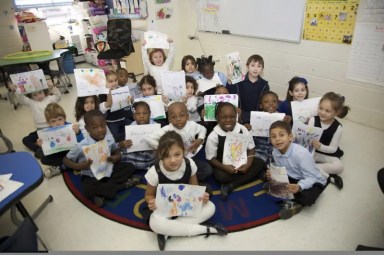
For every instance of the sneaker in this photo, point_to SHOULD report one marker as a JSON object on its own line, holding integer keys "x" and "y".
{"x": 52, "y": 171}
{"x": 289, "y": 209}
{"x": 133, "y": 181}
{"x": 99, "y": 201}
{"x": 335, "y": 179}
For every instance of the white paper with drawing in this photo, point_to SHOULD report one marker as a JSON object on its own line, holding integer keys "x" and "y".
{"x": 234, "y": 67}
{"x": 304, "y": 135}
{"x": 29, "y": 82}
{"x": 304, "y": 110}
{"x": 235, "y": 149}
{"x": 205, "y": 84}
{"x": 155, "y": 39}
{"x": 134, "y": 90}
{"x": 120, "y": 98}
{"x": 262, "y": 121}
{"x": 173, "y": 84}
{"x": 90, "y": 82}
{"x": 8, "y": 186}
{"x": 278, "y": 182}
{"x": 56, "y": 139}
{"x": 138, "y": 133}
{"x": 210, "y": 102}
{"x": 179, "y": 199}
{"x": 99, "y": 153}
{"x": 155, "y": 104}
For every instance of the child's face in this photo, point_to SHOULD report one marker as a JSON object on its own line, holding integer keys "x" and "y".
{"x": 147, "y": 90}
{"x": 112, "y": 82}
{"x": 299, "y": 92}
{"x": 269, "y": 103}
{"x": 189, "y": 66}
{"x": 158, "y": 58}
{"x": 221, "y": 91}
{"x": 89, "y": 104}
{"x": 227, "y": 118}
{"x": 58, "y": 121}
{"x": 280, "y": 139}
{"x": 208, "y": 71}
{"x": 97, "y": 128}
{"x": 326, "y": 111}
{"x": 255, "y": 69}
{"x": 141, "y": 115}
{"x": 190, "y": 89}
{"x": 178, "y": 115}
{"x": 38, "y": 96}
{"x": 122, "y": 78}
{"x": 173, "y": 161}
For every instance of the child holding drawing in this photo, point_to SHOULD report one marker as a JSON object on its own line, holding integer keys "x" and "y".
{"x": 107, "y": 187}
{"x": 229, "y": 176}
{"x": 142, "y": 160}
{"x": 328, "y": 153}
{"x": 172, "y": 167}
{"x": 191, "y": 99}
{"x": 116, "y": 120}
{"x": 209, "y": 76}
{"x": 305, "y": 180}
{"x": 37, "y": 102}
{"x": 83, "y": 105}
{"x": 251, "y": 88}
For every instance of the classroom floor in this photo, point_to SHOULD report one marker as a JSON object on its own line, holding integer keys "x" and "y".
{"x": 339, "y": 221}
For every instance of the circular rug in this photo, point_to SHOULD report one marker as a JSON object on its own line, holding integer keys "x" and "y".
{"x": 247, "y": 207}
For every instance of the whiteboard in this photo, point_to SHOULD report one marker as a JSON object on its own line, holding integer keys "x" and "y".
{"x": 269, "y": 19}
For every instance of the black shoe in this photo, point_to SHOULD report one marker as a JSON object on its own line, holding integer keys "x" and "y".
{"x": 161, "y": 241}
{"x": 289, "y": 209}
{"x": 99, "y": 201}
{"x": 226, "y": 189}
{"x": 38, "y": 154}
{"x": 133, "y": 181}
{"x": 221, "y": 231}
{"x": 335, "y": 179}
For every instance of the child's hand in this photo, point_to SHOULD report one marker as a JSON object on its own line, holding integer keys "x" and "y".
{"x": 13, "y": 87}
{"x": 165, "y": 99}
{"x": 268, "y": 175}
{"x": 202, "y": 114}
{"x": 293, "y": 188}
{"x": 85, "y": 165}
{"x": 125, "y": 144}
{"x": 169, "y": 40}
{"x": 248, "y": 126}
{"x": 195, "y": 145}
{"x": 205, "y": 198}
{"x": 113, "y": 159}
{"x": 129, "y": 100}
{"x": 108, "y": 103}
{"x": 76, "y": 128}
{"x": 39, "y": 142}
{"x": 229, "y": 72}
{"x": 316, "y": 144}
{"x": 242, "y": 168}
{"x": 152, "y": 204}
{"x": 229, "y": 169}
{"x": 287, "y": 119}
{"x": 184, "y": 99}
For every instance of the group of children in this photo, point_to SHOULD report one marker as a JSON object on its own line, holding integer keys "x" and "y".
{"x": 184, "y": 132}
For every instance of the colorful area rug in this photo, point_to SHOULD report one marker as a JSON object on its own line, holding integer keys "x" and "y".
{"x": 247, "y": 207}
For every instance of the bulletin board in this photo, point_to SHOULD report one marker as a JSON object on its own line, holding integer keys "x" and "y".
{"x": 269, "y": 19}
{"x": 330, "y": 21}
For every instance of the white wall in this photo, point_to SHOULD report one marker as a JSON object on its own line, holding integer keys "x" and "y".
{"x": 9, "y": 33}
{"x": 323, "y": 64}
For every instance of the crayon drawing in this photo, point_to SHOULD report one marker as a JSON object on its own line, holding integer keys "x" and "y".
{"x": 234, "y": 67}
{"x": 29, "y": 82}
{"x": 235, "y": 149}
{"x": 262, "y": 121}
{"x": 134, "y": 90}
{"x": 173, "y": 84}
{"x": 56, "y": 139}
{"x": 155, "y": 104}
{"x": 90, "y": 82}
{"x": 99, "y": 153}
{"x": 304, "y": 135}
{"x": 304, "y": 110}
{"x": 164, "y": 12}
{"x": 210, "y": 102}
{"x": 120, "y": 98}
{"x": 137, "y": 134}
{"x": 278, "y": 182}
{"x": 179, "y": 199}
{"x": 155, "y": 39}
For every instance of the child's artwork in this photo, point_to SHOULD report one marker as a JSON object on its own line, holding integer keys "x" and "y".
{"x": 156, "y": 40}
{"x": 173, "y": 84}
{"x": 235, "y": 149}
{"x": 164, "y": 12}
{"x": 156, "y": 105}
{"x": 234, "y": 67}
{"x": 29, "y": 82}
{"x": 120, "y": 98}
{"x": 138, "y": 133}
{"x": 205, "y": 84}
{"x": 134, "y": 90}
{"x": 278, "y": 182}
{"x": 210, "y": 102}
{"x": 90, "y": 82}
{"x": 99, "y": 153}
{"x": 304, "y": 135}
{"x": 179, "y": 199}
{"x": 56, "y": 139}
{"x": 304, "y": 110}
{"x": 262, "y": 121}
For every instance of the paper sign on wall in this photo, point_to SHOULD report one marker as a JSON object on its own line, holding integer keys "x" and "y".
{"x": 56, "y": 139}
{"x": 210, "y": 102}
{"x": 173, "y": 84}
{"x": 29, "y": 82}
{"x": 90, "y": 82}
{"x": 137, "y": 134}
{"x": 235, "y": 149}
{"x": 262, "y": 121}
{"x": 179, "y": 199}
{"x": 99, "y": 153}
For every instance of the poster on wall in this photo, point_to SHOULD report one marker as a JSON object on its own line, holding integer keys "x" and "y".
{"x": 330, "y": 21}
{"x": 164, "y": 12}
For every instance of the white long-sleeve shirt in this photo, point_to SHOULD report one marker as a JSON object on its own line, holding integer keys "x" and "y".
{"x": 38, "y": 107}
{"x": 156, "y": 71}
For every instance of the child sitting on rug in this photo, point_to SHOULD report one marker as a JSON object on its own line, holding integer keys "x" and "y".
{"x": 107, "y": 187}
{"x": 174, "y": 168}
{"x": 305, "y": 180}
